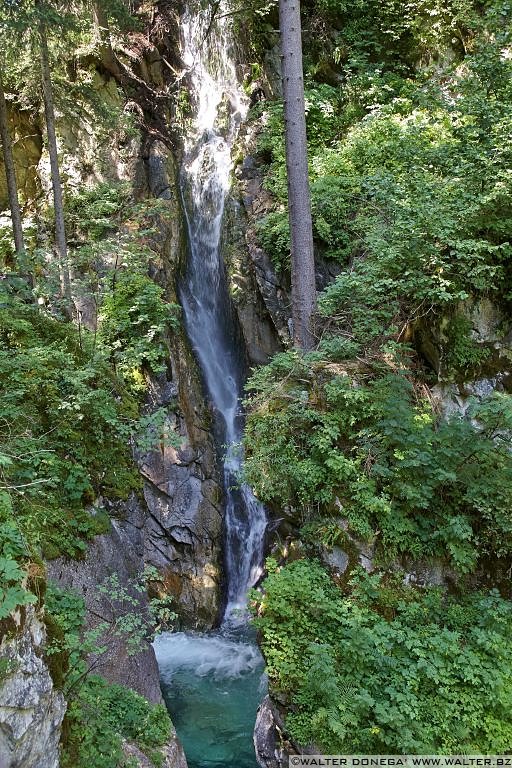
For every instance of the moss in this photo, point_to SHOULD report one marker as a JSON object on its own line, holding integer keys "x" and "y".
{"x": 56, "y": 661}
{"x": 464, "y": 356}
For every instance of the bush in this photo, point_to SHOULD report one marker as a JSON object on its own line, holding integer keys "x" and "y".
{"x": 383, "y": 669}
{"x": 101, "y": 716}
{"x": 134, "y": 317}
{"x": 415, "y": 483}
{"x": 64, "y": 434}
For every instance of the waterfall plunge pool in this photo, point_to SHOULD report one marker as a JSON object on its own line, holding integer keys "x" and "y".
{"x": 212, "y": 685}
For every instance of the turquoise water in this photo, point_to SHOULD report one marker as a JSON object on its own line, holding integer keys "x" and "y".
{"x": 212, "y": 685}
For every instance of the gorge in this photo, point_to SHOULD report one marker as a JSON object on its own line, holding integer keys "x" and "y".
{"x": 166, "y": 449}
{"x": 213, "y": 683}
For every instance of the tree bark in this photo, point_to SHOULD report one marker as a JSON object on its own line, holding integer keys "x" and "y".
{"x": 299, "y": 195}
{"x": 49, "y": 111}
{"x": 10, "y": 173}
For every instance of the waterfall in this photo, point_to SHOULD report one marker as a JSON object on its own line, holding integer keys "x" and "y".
{"x": 220, "y": 106}
{"x": 212, "y": 683}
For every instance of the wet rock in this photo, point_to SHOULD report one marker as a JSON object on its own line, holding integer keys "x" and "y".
{"x": 183, "y": 532}
{"x": 31, "y": 710}
{"x": 271, "y": 746}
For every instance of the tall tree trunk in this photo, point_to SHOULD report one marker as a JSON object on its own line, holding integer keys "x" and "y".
{"x": 299, "y": 195}
{"x": 10, "y": 173}
{"x": 49, "y": 111}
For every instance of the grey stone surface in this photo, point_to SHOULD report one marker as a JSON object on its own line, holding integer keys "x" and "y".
{"x": 336, "y": 559}
{"x": 183, "y": 530}
{"x": 489, "y": 328}
{"x": 172, "y": 754}
{"x": 455, "y": 399}
{"x": 119, "y": 553}
{"x": 272, "y": 749}
{"x": 31, "y": 710}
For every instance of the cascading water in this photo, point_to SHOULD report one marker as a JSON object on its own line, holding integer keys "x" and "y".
{"x": 205, "y": 182}
{"x": 213, "y": 683}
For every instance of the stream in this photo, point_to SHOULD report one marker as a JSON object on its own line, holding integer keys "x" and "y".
{"x": 213, "y": 683}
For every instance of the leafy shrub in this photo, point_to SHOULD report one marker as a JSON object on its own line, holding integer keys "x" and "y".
{"x": 93, "y": 212}
{"x": 463, "y": 353}
{"x": 101, "y": 716}
{"x": 384, "y": 669}
{"x": 422, "y": 485}
{"x": 134, "y": 317}
{"x": 66, "y": 419}
{"x": 414, "y": 191}
{"x": 274, "y": 235}
{"x": 13, "y": 550}
{"x": 12, "y": 591}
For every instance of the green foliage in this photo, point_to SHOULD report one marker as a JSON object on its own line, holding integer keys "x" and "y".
{"x": 409, "y": 116}
{"x": 94, "y": 212}
{"x": 385, "y": 669}
{"x": 274, "y": 236}
{"x": 463, "y": 353}
{"x": 65, "y": 418}
{"x": 109, "y": 228}
{"x": 410, "y": 186}
{"x": 133, "y": 319}
{"x": 12, "y": 591}
{"x": 101, "y": 716}
{"x": 71, "y": 400}
{"x": 417, "y": 484}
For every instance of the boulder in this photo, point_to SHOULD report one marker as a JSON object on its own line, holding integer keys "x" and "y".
{"x": 31, "y": 710}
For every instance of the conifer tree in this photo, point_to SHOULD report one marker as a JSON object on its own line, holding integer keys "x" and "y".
{"x": 299, "y": 195}
{"x": 10, "y": 172}
{"x": 49, "y": 111}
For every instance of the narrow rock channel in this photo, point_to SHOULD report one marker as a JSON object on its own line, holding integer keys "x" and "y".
{"x": 213, "y": 683}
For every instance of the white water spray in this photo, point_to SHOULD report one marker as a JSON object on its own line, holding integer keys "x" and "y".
{"x": 213, "y": 682}
{"x": 220, "y": 106}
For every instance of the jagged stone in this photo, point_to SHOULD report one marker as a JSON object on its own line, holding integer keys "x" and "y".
{"x": 261, "y": 340}
{"x": 120, "y": 552}
{"x": 172, "y": 754}
{"x": 31, "y": 710}
{"x": 272, "y": 748}
{"x": 183, "y": 533}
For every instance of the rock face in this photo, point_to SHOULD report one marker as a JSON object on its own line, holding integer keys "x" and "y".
{"x": 183, "y": 530}
{"x": 172, "y": 755}
{"x": 271, "y": 288}
{"x": 31, "y": 710}
{"x": 272, "y": 749}
{"x": 478, "y": 333}
{"x": 119, "y": 553}
{"x": 250, "y": 275}
{"x": 27, "y": 148}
